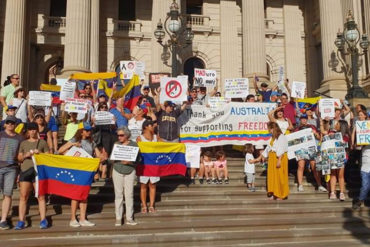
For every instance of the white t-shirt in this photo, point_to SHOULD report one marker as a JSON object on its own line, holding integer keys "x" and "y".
{"x": 22, "y": 108}
{"x": 249, "y": 167}
{"x": 365, "y": 167}
{"x": 135, "y": 126}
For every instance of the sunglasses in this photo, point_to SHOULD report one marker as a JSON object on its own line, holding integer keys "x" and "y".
{"x": 39, "y": 117}
{"x": 9, "y": 122}
{"x": 121, "y": 135}
{"x": 16, "y": 78}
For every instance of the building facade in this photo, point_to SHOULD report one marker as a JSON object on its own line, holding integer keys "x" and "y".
{"x": 42, "y": 39}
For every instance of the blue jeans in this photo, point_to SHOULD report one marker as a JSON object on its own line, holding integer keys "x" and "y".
{"x": 365, "y": 187}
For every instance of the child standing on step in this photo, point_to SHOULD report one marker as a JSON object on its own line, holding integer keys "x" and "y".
{"x": 249, "y": 167}
{"x": 221, "y": 167}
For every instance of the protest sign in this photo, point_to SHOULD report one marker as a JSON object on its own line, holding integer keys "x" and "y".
{"x": 363, "y": 132}
{"x": 298, "y": 89}
{"x": 302, "y": 145}
{"x": 204, "y": 78}
{"x": 76, "y": 105}
{"x": 236, "y": 124}
{"x": 67, "y": 90}
{"x": 192, "y": 156}
{"x": 124, "y": 152}
{"x": 174, "y": 89}
{"x": 77, "y": 152}
{"x": 155, "y": 79}
{"x": 326, "y": 107}
{"x": 217, "y": 103}
{"x": 104, "y": 118}
{"x": 333, "y": 153}
{"x": 61, "y": 81}
{"x": 39, "y": 98}
{"x": 236, "y": 88}
{"x": 129, "y": 68}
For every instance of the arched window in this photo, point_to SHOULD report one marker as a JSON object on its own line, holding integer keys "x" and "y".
{"x": 58, "y": 8}
{"x": 190, "y": 65}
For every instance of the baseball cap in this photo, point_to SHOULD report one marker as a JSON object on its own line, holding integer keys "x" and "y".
{"x": 303, "y": 116}
{"x": 32, "y": 126}
{"x": 275, "y": 93}
{"x": 12, "y": 107}
{"x": 264, "y": 84}
{"x": 169, "y": 103}
{"x": 101, "y": 94}
{"x": 85, "y": 126}
{"x": 39, "y": 114}
{"x": 146, "y": 88}
{"x": 10, "y": 119}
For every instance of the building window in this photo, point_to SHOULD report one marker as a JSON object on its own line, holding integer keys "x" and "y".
{"x": 58, "y": 8}
{"x": 194, "y": 7}
{"x": 126, "y": 10}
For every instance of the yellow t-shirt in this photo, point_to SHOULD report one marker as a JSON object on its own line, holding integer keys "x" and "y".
{"x": 71, "y": 130}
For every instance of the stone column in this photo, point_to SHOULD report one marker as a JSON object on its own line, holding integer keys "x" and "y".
{"x": 77, "y": 39}
{"x": 331, "y": 20}
{"x": 229, "y": 41}
{"x": 95, "y": 35}
{"x": 367, "y": 29}
{"x": 254, "y": 51}
{"x": 14, "y": 39}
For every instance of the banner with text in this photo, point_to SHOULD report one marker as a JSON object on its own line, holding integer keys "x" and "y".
{"x": 235, "y": 123}
{"x": 363, "y": 132}
{"x": 39, "y": 98}
{"x": 76, "y": 105}
{"x": 205, "y": 78}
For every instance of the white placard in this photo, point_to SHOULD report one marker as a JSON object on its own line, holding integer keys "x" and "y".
{"x": 327, "y": 108}
{"x": 104, "y": 118}
{"x": 301, "y": 144}
{"x": 124, "y": 152}
{"x": 67, "y": 90}
{"x": 129, "y": 68}
{"x": 363, "y": 132}
{"x": 205, "y": 78}
{"x": 77, "y": 152}
{"x": 217, "y": 103}
{"x": 61, "y": 81}
{"x": 174, "y": 89}
{"x": 76, "y": 105}
{"x": 298, "y": 89}
{"x": 236, "y": 88}
{"x": 192, "y": 156}
{"x": 39, "y": 98}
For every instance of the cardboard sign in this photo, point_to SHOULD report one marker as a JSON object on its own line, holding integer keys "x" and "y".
{"x": 217, "y": 103}
{"x": 77, "y": 152}
{"x": 363, "y": 132}
{"x": 192, "y": 156}
{"x": 129, "y": 68}
{"x": 333, "y": 153}
{"x": 67, "y": 90}
{"x": 298, "y": 89}
{"x": 123, "y": 152}
{"x": 104, "y": 118}
{"x": 76, "y": 105}
{"x": 236, "y": 88}
{"x": 39, "y": 98}
{"x": 205, "y": 78}
{"x": 174, "y": 89}
{"x": 327, "y": 108}
{"x": 302, "y": 145}
{"x": 155, "y": 79}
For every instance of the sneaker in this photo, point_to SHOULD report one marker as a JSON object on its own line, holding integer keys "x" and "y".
{"x": 118, "y": 222}
{"x": 356, "y": 204}
{"x": 131, "y": 223}
{"x": 227, "y": 181}
{"x": 74, "y": 223}
{"x": 300, "y": 188}
{"x": 214, "y": 181}
{"x": 4, "y": 225}
{"x": 333, "y": 196}
{"x": 253, "y": 189}
{"x": 20, "y": 225}
{"x": 192, "y": 181}
{"x": 342, "y": 197}
{"x": 220, "y": 181}
{"x": 208, "y": 181}
{"x": 86, "y": 223}
{"x": 322, "y": 189}
{"x": 201, "y": 180}
{"x": 44, "y": 224}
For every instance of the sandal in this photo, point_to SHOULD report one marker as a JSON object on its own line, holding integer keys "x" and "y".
{"x": 144, "y": 210}
{"x": 152, "y": 210}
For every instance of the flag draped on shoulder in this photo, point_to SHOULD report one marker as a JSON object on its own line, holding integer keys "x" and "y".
{"x": 161, "y": 159}
{"x": 131, "y": 92}
{"x": 65, "y": 176}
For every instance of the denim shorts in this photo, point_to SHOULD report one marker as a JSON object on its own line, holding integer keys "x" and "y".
{"x": 7, "y": 179}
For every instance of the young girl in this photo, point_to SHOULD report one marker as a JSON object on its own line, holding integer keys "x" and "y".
{"x": 209, "y": 168}
{"x": 249, "y": 166}
{"x": 221, "y": 167}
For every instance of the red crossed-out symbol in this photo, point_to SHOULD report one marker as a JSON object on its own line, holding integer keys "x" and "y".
{"x": 173, "y": 89}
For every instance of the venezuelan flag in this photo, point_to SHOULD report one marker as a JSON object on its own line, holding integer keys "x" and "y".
{"x": 102, "y": 81}
{"x": 161, "y": 159}
{"x": 65, "y": 176}
{"x": 308, "y": 103}
{"x": 55, "y": 91}
{"x": 131, "y": 92}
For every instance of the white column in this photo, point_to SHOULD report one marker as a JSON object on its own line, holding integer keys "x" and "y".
{"x": 77, "y": 39}
{"x": 229, "y": 41}
{"x": 254, "y": 51}
{"x": 95, "y": 36}
{"x": 14, "y": 39}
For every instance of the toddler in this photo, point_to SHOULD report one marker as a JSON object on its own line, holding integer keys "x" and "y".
{"x": 249, "y": 167}
{"x": 221, "y": 167}
{"x": 209, "y": 168}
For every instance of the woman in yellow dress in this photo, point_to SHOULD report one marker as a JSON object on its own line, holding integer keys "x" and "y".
{"x": 277, "y": 169}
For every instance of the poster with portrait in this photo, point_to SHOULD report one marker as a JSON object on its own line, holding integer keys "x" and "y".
{"x": 298, "y": 89}
{"x": 129, "y": 68}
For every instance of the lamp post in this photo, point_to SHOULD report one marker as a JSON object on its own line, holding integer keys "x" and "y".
{"x": 177, "y": 32}
{"x": 346, "y": 43}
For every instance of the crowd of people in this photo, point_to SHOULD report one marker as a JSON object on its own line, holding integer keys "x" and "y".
{"x": 27, "y": 130}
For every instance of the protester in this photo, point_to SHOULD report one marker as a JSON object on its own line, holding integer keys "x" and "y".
{"x": 365, "y": 178}
{"x": 123, "y": 180}
{"x": 71, "y": 124}
{"x": 356, "y": 149}
{"x": 43, "y": 130}
{"x": 7, "y": 92}
{"x": 146, "y": 96}
{"x": 9, "y": 143}
{"x": 277, "y": 169}
{"x": 277, "y": 115}
{"x": 20, "y": 102}
{"x": 148, "y": 182}
{"x": 32, "y": 145}
{"x": 121, "y": 113}
{"x": 10, "y": 111}
{"x": 289, "y": 110}
{"x": 263, "y": 90}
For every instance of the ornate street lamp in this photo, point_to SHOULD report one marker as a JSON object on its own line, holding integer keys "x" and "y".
{"x": 346, "y": 43}
{"x": 173, "y": 26}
